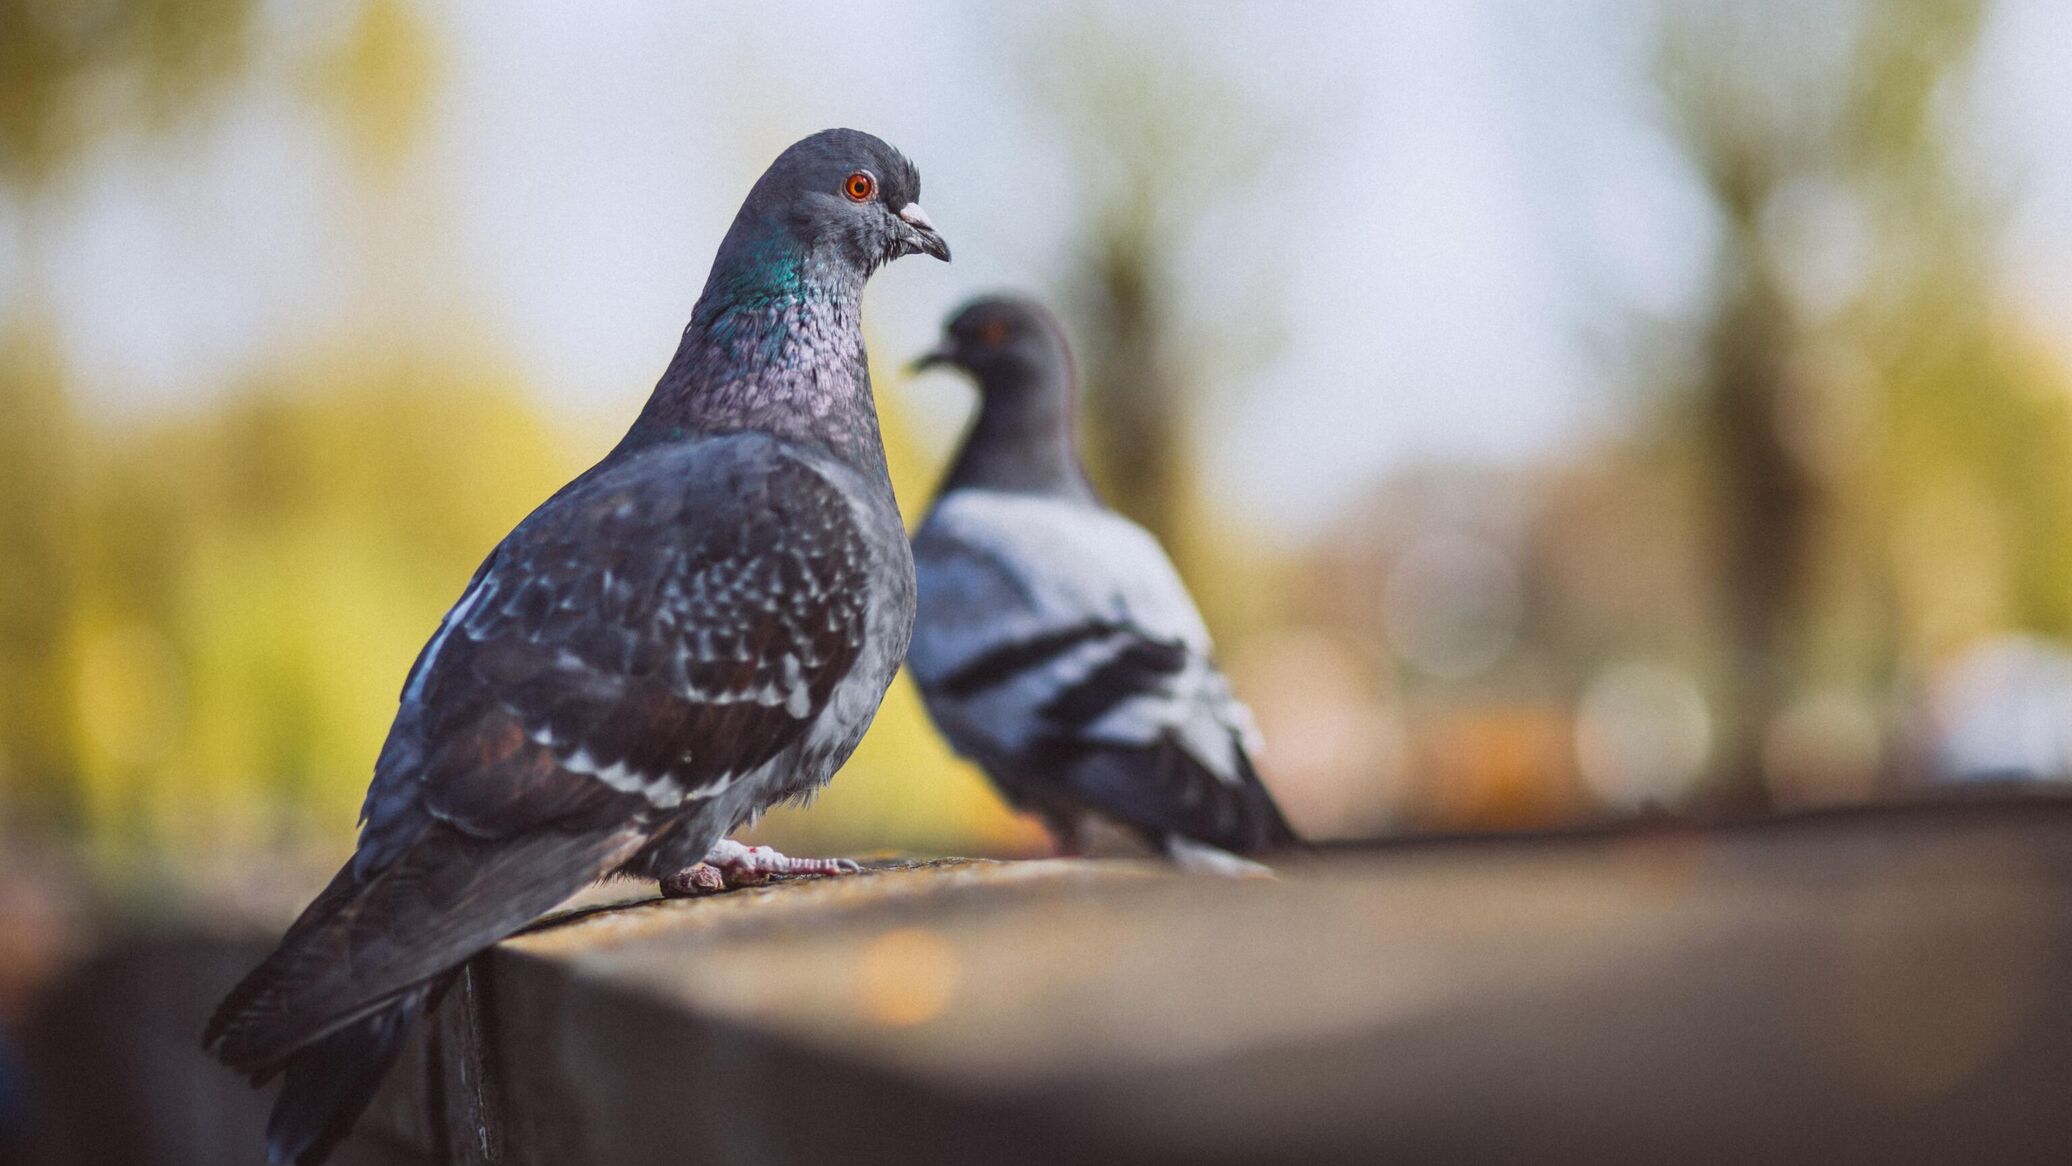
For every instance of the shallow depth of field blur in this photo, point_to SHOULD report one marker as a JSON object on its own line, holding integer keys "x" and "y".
{"x": 1561, "y": 412}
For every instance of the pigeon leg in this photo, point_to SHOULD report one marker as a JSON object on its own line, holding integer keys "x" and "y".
{"x": 730, "y": 864}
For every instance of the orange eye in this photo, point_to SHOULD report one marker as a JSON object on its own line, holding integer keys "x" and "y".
{"x": 992, "y": 333}
{"x": 860, "y": 186}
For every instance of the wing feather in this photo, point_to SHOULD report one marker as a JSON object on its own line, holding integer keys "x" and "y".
{"x": 666, "y": 623}
{"x": 1043, "y": 617}
{"x": 1056, "y": 638}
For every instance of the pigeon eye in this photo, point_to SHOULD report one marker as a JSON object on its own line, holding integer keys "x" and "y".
{"x": 992, "y": 333}
{"x": 860, "y": 186}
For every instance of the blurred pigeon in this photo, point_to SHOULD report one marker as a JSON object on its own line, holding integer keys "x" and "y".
{"x": 698, "y": 627}
{"x": 1056, "y": 645}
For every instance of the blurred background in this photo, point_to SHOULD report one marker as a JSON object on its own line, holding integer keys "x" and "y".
{"x": 1562, "y": 412}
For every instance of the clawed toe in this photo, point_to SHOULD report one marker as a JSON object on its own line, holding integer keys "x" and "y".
{"x": 693, "y": 881}
{"x": 730, "y": 865}
{"x": 760, "y": 864}
{"x": 817, "y": 867}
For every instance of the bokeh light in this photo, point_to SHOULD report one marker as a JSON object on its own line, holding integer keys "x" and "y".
{"x": 906, "y": 977}
{"x": 1643, "y": 736}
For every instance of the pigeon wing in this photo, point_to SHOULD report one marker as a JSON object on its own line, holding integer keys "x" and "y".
{"x": 664, "y": 632}
{"x": 1060, "y": 636}
{"x": 661, "y": 628}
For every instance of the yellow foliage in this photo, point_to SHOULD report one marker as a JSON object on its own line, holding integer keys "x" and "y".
{"x": 255, "y": 579}
{"x": 379, "y": 81}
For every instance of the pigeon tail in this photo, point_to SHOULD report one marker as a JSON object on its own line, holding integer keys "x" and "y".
{"x": 1164, "y": 793}
{"x": 361, "y": 946}
{"x": 1268, "y": 824}
{"x": 328, "y": 1083}
{"x": 253, "y": 996}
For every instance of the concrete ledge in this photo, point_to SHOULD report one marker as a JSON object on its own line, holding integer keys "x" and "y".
{"x": 1872, "y": 987}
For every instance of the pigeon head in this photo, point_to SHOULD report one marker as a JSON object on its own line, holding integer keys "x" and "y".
{"x": 830, "y": 210}
{"x": 1022, "y": 439}
{"x": 1007, "y": 344}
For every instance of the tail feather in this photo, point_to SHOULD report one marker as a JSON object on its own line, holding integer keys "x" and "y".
{"x": 1164, "y": 789}
{"x": 241, "y": 1002}
{"x": 1265, "y": 824}
{"x": 364, "y": 944}
{"x": 328, "y": 1083}
{"x": 329, "y": 1009}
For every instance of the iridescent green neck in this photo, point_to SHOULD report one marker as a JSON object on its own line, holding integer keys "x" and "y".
{"x": 755, "y": 275}
{"x": 790, "y": 364}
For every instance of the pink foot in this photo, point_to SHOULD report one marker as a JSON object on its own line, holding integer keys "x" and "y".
{"x": 729, "y": 864}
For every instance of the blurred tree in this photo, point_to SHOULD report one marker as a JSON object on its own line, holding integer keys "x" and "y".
{"x": 71, "y": 75}
{"x": 1746, "y": 128}
{"x": 378, "y": 83}
{"x": 37, "y": 575}
{"x": 325, "y": 520}
{"x": 1162, "y": 145}
{"x": 109, "y": 535}
{"x": 1876, "y": 443}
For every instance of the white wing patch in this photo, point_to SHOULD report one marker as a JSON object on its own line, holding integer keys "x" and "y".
{"x": 664, "y": 791}
{"x": 997, "y": 570}
{"x": 1042, "y": 564}
{"x": 483, "y": 588}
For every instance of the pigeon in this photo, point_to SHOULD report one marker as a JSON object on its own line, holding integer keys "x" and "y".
{"x": 1056, "y": 645}
{"x": 698, "y": 627}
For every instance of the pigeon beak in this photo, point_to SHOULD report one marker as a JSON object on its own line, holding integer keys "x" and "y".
{"x": 942, "y": 354}
{"x": 921, "y": 234}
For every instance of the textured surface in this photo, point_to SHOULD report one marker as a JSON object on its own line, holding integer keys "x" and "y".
{"x": 1877, "y": 987}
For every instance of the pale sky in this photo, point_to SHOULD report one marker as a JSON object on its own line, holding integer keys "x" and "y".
{"x": 1475, "y": 191}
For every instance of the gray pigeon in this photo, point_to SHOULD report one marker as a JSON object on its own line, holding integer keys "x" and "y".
{"x": 697, "y": 628}
{"x": 1056, "y": 645}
